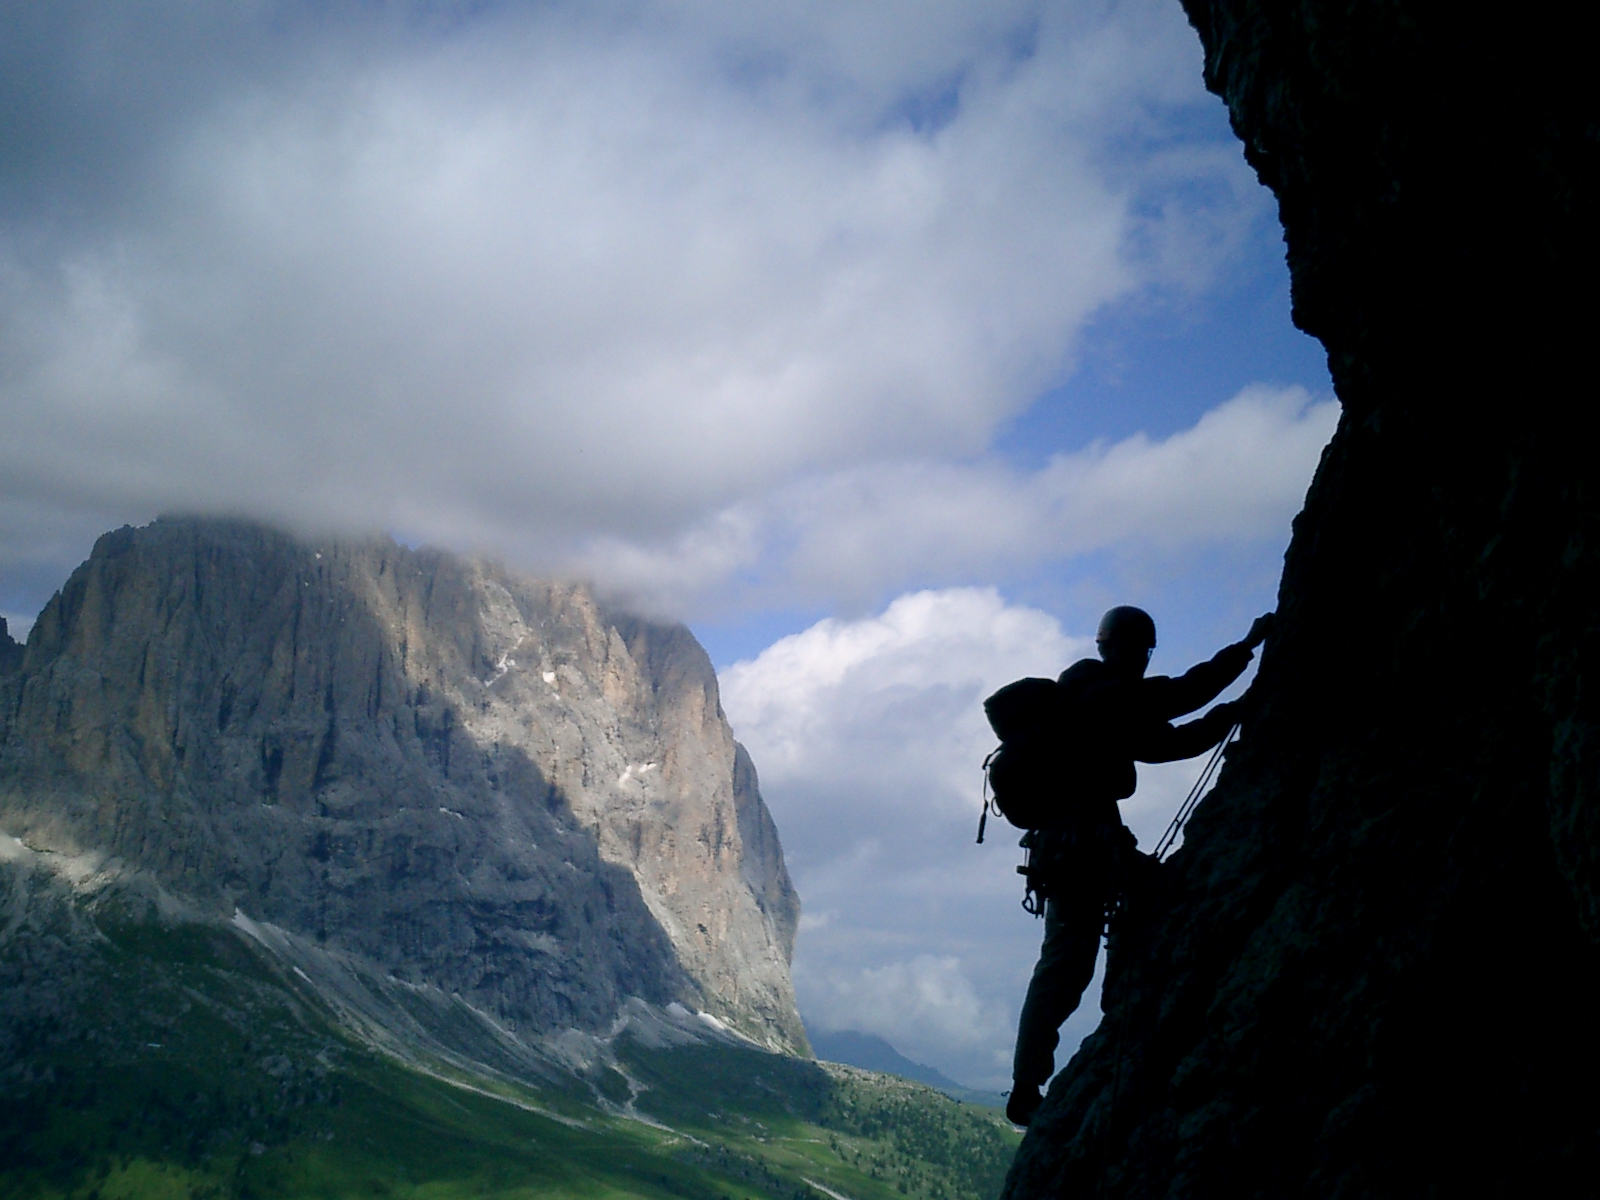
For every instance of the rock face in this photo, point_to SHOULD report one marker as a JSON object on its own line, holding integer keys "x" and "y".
{"x": 466, "y": 779}
{"x": 1372, "y": 968}
{"x": 10, "y": 651}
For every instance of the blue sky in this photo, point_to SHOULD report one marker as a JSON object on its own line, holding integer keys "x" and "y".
{"x": 1152, "y": 368}
{"x": 884, "y": 344}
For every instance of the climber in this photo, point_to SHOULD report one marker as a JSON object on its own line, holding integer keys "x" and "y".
{"x": 1083, "y": 866}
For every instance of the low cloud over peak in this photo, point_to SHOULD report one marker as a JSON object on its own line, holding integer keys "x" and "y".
{"x": 539, "y": 276}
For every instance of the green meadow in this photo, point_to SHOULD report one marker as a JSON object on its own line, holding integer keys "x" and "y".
{"x": 179, "y": 1064}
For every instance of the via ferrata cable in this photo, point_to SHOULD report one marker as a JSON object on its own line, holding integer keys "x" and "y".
{"x": 1170, "y": 837}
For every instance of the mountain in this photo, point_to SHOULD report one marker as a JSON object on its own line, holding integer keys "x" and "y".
{"x": 1373, "y": 967}
{"x": 408, "y": 774}
{"x": 340, "y": 869}
{"x": 873, "y": 1053}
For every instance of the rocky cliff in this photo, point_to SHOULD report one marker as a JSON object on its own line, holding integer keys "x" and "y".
{"x": 1372, "y": 968}
{"x": 10, "y": 651}
{"x": 443, "y": 775}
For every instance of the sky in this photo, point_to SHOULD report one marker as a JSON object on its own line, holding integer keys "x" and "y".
{"x": 884, "y": 344}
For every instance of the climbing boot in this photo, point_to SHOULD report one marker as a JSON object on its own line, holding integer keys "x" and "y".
{"x": 1022, "y": 1104}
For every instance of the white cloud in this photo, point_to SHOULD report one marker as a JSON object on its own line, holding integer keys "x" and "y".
{"x": 847, "y": 703}
{"x": 922, "y": 1003}
{"x": 1238, "y": 475}
{"x": 869, "y": 734}
{"x": 541, "y": 275}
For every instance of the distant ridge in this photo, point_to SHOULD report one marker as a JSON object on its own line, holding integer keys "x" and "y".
{"x": 873, "y": 1053}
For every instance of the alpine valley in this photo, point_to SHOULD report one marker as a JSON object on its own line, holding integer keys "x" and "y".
{"x": 335, "y": 868}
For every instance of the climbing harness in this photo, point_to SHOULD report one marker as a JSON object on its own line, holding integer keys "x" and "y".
{"x": 1033, "y": 897}
{"x": 1170, "y": 837}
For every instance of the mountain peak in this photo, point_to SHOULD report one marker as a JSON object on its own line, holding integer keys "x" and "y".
{"x": 462, "y": 777}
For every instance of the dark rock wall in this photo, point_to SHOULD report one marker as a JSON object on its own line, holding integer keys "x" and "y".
{"x": 1372, "y": 968}
{"x": 10, "y": 650}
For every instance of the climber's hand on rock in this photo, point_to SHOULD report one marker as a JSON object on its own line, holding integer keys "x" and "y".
{"x": 1260, "y": 631}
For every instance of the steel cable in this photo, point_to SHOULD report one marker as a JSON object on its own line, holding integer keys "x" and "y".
{"x": 1170, "y": 838}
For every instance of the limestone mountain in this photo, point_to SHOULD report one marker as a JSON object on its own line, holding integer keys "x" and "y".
{"x": 433, "y": 771}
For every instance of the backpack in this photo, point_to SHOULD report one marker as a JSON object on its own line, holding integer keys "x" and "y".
{"x": 1024, "y": 778}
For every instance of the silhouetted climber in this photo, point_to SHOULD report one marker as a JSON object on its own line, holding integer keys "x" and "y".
{"x": 1082, "y": 859}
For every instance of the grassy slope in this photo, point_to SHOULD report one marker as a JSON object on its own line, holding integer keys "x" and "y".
{"x": 850, "y": 1130}
{"x": 179, "y": 1063}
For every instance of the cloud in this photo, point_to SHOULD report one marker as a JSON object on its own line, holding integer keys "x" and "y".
{"x": 928, "y": 994}
{"x": 534, "y": 276}
{"x": 869, "y": 734}
{"x": 1237, "y": 476}
{"x": 848, "y": 702}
